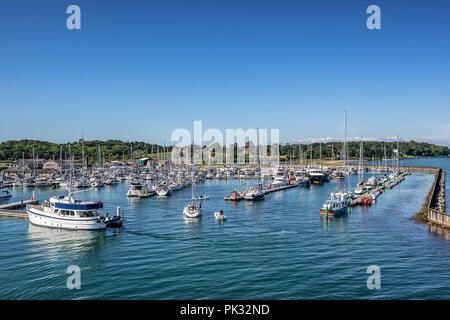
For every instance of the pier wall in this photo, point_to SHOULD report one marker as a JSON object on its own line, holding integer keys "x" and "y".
{"x": 436, "y": 203}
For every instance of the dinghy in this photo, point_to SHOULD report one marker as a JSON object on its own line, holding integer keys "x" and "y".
{"x": 219, "y": 215}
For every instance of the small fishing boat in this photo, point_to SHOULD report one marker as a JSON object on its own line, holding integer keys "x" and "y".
{"x": 204, "y": 197}
{"x": 219, "y": 215}
{"x": 335, "y": 206}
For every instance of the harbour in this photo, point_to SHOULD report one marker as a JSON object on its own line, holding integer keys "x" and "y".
{"x": 155, "y": 242}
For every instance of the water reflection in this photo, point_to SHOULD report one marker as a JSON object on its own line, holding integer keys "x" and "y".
{"x": 53, "y": 242}
{"x": 338, "y": 223}
{"x": 439, "y": 232}
{"x": 193, "y": 225}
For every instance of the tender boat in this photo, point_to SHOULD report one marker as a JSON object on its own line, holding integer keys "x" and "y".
{"x": 219, "y": 215}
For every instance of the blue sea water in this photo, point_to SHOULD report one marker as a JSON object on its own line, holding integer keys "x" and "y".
{"x": 278, "y": 248}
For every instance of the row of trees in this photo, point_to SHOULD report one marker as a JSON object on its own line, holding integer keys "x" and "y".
{"x": 110, "y": 149}
{"x": 371, "y": 149}
{"x": 118, "y": 150}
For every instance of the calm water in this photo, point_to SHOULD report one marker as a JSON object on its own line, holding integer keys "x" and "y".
{"x": 278, "y": 248}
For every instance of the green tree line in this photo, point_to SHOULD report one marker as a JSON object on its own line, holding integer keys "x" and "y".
{"x": 118, "y": 150}
{"x": 110, "y": 150}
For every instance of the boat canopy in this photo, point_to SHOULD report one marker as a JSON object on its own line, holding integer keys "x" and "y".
{"x": 80, "y": 205}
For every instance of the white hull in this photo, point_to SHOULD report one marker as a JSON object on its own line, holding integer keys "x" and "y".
{"x": 45, "y": 219}
{"x": 192, "y": 213}
{"x": 219, "y": 216}
{"x": 163, "y": 192}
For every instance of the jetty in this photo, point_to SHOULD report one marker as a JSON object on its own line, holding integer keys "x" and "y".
{"x": 238, "y": 196}
{"x": 9, "y": 210}
{"x": 273, "y": 189}
{"x": 375, "y": 192}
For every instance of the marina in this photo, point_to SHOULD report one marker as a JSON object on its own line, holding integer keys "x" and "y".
{"x": 155, "y": 237}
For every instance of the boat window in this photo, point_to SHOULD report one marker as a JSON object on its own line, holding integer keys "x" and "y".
{"x": 86, "y": 214}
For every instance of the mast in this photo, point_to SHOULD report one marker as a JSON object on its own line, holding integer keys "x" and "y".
{"x": 34, "y": 164}
{"x": 301, "y": 155}
{"x": 82, "y": 148}
{"x": 360, "y": 161}
{"x": 345, "y": 146}
{"x": 320, "y": 152}
{"x": 398, "y": 155}
{"x": 60, "y": 159}
{"x": 98, "y": 156}
{"x": 131, "y": 153}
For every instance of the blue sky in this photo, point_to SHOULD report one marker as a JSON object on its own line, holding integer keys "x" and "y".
{"x": 138, "y": 70}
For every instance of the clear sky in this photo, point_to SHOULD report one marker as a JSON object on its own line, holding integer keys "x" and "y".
{"x": 137, "y": 70}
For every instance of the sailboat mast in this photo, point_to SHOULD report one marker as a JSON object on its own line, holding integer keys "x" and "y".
{"x": 320, "y": 152}
{"x": 345, "y": 146}
{"x": 398, "y": 155}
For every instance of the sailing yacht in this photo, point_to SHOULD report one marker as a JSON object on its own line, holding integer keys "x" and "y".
{"x": 162, "y": 190}
{"x": 193, "y": 209}
{"x": 254, "y": 193}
